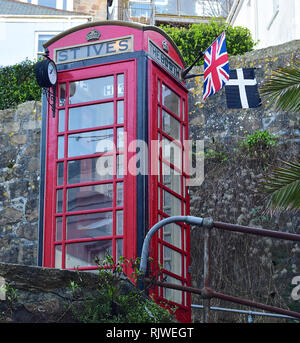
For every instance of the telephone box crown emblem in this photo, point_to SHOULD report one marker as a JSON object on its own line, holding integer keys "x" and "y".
{"x": 93, "y": 35}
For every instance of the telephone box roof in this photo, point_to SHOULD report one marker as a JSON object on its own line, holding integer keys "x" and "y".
{"x": 134, "y": 25}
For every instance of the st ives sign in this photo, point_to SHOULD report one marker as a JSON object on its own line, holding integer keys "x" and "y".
{"x": 92, "y": 50}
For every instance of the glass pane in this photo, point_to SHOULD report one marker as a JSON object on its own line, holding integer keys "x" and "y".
{"x": 120, "y": 166}
{"x": 172, "y": 152}
{"x": 61, "y": 120}
{"x": 171, "y": 204}
{"x": 58, "y": 255}
{"x": 119, "y": 248}
{"x": 158, "y": 116}
{"x": 90, "y": 169}
{"x": 59, "y": 201}
{"x": 158, "y": 90}
{"x": 60, "y": 173}
{"x": 166, "y": 7}
{"x": 172, "y": 235}
{"x": 170, "y": 100}
{"x": 85, "y": 253}
{"x": 59, "y": 228}
{"x": 120, "y": 194}
{"x": 120, "y": 138}
{"x": 184, "y": 112}
{"x": 172, "y": 294}
{"x": 120, "y": 112}
{"x": 91, "y": 116}
{"x": 91, "y": 90}
{"x": 119, "y": 222}
{"x": 90, "y": 197}
{"x": 121, "y": 85}
{"x": 171, "y": 179}
{"x": 170, "y": 125}
{"x": 87, "y": 143}
{"x": 61, "y": 147}
{"x": 172, "y": 261}
{"x": 62, "y": 94}
{"x": 90, "y": 225}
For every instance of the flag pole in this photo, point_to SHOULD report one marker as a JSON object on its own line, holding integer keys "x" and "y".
{"x": 187, "y": 70}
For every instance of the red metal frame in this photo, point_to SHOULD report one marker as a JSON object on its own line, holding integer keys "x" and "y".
{"x": 157, "y": 187}
{"x": 128, "y": 68}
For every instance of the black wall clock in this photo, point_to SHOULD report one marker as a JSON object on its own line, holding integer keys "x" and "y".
{"x": 46, "y": 73}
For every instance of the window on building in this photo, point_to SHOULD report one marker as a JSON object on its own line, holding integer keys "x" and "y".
{"x": 42, "y": 38}
{"x": 48, "y": 3}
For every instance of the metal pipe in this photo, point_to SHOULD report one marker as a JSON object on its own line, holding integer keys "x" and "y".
{"x": 257, "y": 231}
{"x": 146, "y": 245}
{"x": 207, "y": 293}
{"x": 253, "y": 313}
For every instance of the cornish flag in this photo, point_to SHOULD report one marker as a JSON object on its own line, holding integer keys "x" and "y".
{"x": 216, "y": 67}
{"x": 241, "y": 89}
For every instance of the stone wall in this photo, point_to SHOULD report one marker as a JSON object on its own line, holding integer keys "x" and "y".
{"x": 247, "y": 266}
{"x": 96, "y": 8}
{"x": 19, "y": 183}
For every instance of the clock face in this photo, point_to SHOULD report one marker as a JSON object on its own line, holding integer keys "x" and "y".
{"x": 52, "y": 73}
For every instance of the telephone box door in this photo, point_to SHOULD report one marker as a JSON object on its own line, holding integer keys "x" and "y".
{"x": 171, "y": 245}
{"x": 85, "y": 212}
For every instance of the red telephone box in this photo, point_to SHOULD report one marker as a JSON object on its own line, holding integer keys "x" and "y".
{"x": 118, "y": 84}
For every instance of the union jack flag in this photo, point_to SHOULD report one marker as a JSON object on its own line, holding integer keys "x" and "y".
{"x": 216, "y": 67}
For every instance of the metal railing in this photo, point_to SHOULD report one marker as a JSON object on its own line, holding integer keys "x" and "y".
{"x": 206, "y": 292}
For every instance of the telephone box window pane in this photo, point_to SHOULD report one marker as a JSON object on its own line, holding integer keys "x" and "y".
{"x": 172, "y": 261}
{"x": 60, "y": 173}
{"x": 61, "y": 147}
{"x": 170, "y": 125}
{"x": 90, "y": 197}
{"x": 90, "y": 169}
{"x": 170, "y": 100}
{"x": 120, "y": 194}
{"x": 120, "y": 85}
{"x": 62, "y": 94}
{"x": 120, "y": 138}
{"x": 59, "y": 201}
{"x": 86, "y": 253}
{"x": 88, "y": 143}
{"x": 171, "y": 179}
{"x": 120, "y": 166}
{"x": 59, "y": 228}
{"x": 158, "y": 90}
{"x": 90, "y": 225}
{"x": 120, "y": 109}
{"x": 85, "y": 117}
{"x": 119, "y": 247}
{"x": 172, "y": 152}
{"x": 172, "y": 235}
{"x": 58, "y": 255}
{"x": 119, "y": 222}
{"x": 172, "y": 294}
{"x": 61, "y": 121}
{"x": 91, "y": 90}
{"x": 171, "y": 204}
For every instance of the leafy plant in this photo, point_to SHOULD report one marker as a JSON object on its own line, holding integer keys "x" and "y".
{"x": 112, "y": 305}
{"x": 284, "y": 186}
{"x": 283, "y": 89}
{"x": 18, "y": 84}
{"x": 200, "y": 36}
{"x": 259, "y": 142}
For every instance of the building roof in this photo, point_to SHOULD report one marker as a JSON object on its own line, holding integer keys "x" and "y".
{"x": 13, "y": 7}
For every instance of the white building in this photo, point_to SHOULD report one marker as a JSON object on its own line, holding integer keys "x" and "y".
{"x": 271, "y": 22}
{"x": 24, "y": 26}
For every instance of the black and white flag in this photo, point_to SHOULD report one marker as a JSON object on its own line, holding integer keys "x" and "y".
{"x": 241, "y": 89}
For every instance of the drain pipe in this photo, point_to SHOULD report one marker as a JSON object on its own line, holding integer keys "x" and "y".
{"x": 146, "y": 245}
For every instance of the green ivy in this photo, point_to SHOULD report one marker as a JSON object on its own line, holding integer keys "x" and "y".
{"x": 200, "y": 36}
{"x": 18, "y": 84}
